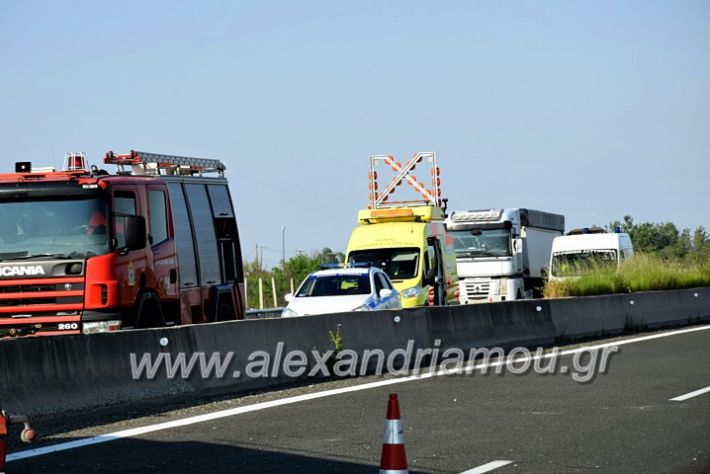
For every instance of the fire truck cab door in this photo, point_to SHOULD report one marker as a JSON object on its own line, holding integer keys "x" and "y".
{"x": 130, "y": 264}
{"x": 161, "y": 242}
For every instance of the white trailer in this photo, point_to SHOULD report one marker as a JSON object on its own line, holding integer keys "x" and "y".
{"x": 502, "y": 254}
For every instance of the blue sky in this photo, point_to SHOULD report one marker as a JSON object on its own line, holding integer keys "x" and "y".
{"x": 592, "y": 109}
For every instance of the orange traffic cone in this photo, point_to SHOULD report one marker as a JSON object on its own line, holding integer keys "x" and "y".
{"x": 394, "y": 459}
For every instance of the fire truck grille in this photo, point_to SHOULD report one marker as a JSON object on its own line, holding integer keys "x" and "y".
{"x": 41, "y": 298}
{"x": 41, "y": 301}
{"x": 32, "y": 289}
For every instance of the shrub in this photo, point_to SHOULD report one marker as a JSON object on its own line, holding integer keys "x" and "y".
{"x": 641, "y": 273}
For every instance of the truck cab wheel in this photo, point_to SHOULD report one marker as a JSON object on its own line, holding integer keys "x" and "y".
{"x": 148, "y": 312}
{"x": 225, "y": 312}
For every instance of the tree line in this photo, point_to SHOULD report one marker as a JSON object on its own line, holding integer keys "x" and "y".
{"x": 295, "y": 270}
{"x": 665, "y": 240}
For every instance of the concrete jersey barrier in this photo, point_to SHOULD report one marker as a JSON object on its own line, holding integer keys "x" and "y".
{"x": 64, "y": 374}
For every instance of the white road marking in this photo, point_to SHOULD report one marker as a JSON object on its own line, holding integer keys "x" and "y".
{"x": 683, "y": 398}
{"x": 487, "y": 467}
{"x": 81, "y": 443}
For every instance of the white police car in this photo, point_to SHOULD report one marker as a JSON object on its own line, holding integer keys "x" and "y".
{"x": 341, "y": 290}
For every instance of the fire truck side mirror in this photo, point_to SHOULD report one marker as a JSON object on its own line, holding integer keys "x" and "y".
{"x": 135, "y": 232}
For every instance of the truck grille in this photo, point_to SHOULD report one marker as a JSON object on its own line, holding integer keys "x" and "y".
{"x": 475, "y": 289}
{"x": 20, "y": 299}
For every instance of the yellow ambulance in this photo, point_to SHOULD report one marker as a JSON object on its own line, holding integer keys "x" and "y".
{"x": 411, "y": 245}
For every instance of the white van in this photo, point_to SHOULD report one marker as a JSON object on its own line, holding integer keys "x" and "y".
{"x": 580, "y": 249}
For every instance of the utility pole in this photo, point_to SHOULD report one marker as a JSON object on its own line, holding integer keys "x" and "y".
{"x": 259, "y": 249}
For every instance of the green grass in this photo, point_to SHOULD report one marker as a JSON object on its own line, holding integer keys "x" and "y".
{"x": 641, "y": 273}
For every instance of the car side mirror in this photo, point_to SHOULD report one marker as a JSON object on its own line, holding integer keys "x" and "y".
{"x": 288, "y": 297}
{"x": 385, "y": 293}
{"x": 135, "y": 232}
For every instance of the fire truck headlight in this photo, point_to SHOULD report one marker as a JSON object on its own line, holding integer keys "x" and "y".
{"x": 94, "y": 327}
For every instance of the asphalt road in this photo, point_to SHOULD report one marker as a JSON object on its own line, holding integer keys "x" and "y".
{"x": 623, "y": 421}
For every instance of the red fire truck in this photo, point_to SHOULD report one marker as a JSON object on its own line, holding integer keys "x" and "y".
{"x": 82, "y": 250}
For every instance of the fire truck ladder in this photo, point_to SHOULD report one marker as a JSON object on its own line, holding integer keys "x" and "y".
{"x": 154, "y": 164}
{"x": 430, "y": 196}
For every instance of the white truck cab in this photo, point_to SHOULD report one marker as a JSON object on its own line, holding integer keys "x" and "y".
{"x": 581, "y": 249}
{"x": 501, "y": 254}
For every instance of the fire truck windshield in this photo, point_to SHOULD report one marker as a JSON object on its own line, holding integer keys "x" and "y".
{"x": 71, "y": 227}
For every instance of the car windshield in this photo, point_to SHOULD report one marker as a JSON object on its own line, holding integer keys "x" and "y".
{"x": 398, "y": 263}
{"x": 565, "y": 264}
{"x": 335, "y": 285}
{"x": 53, "y": 228}
{"x": 482, "y": 243}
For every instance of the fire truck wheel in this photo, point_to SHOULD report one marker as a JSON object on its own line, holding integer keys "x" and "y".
{"x": 225, "y": 312}
{"x": 148, "y": 312}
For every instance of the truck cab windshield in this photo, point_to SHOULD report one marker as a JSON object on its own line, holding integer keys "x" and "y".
{"x": 482, "y": 243}
{"x": 576, "y": 263}
{"x": 398, "y": 263}
{"x": 53, "y": 228}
